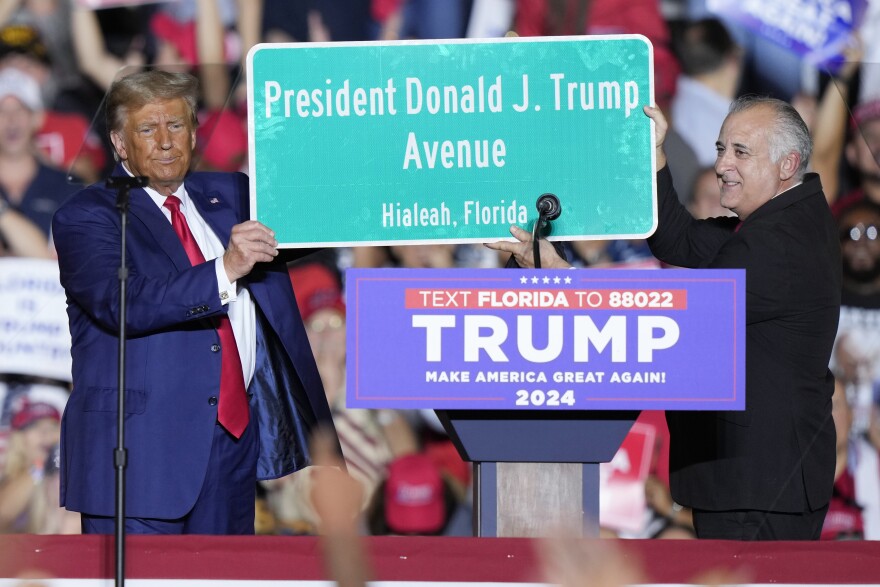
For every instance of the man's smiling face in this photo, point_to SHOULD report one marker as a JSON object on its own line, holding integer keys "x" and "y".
{"x": 746, "y": 172}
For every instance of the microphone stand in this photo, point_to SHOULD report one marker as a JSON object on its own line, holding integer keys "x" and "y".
{"x": 549, "y": 209}
{"x": 123, "y": 186}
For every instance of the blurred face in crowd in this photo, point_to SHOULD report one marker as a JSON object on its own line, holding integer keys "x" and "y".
{"x": 18, "y": 124}
{"x": 326, "y": 331}
{"x": 746, "y": 172}
{"x": 860, "y": 244}
{"x": 705, "y": 202}
{"x": 38, "y": 439}
{"x": 429, "y": 256}
{"x": 863, "y": 150}
{"x": 157, "y": 141}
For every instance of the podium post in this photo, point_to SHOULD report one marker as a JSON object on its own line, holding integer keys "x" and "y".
{"x": 536, "y": 472}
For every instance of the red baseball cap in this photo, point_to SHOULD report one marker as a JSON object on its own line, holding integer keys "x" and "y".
{"x": 315, "y": 288}
{"x": 414, "y": 497}
{"x": 28, "y": 412}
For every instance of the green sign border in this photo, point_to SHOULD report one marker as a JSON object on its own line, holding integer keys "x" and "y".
{"x": 307, "y": 212}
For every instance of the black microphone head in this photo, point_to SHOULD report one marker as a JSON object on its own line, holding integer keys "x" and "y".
{"x": 548, "y": 206}
{"x": 125, "y": 181}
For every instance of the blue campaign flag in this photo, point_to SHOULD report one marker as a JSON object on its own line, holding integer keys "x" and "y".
{"x": 818, "y": 30}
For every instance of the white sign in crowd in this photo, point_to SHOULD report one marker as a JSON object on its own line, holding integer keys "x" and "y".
{"x": 34, "y": 336}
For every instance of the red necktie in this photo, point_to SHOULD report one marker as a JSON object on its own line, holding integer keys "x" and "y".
{"x": 232, "y": 409}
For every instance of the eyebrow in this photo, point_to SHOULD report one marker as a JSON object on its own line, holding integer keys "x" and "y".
{"x": 740, "y": 146}
{"x": 153, "y": 123}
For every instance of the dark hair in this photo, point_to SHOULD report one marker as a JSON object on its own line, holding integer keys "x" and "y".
{"x": 863, "y": 205}
{"x": 23, "y": 39}
{"x": 135, "y": 91}
{"x": 703, "y": 45}
{"x": 790, "y": 132}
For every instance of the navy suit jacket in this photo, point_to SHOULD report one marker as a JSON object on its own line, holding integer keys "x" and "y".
{"x": 172, "y": 368}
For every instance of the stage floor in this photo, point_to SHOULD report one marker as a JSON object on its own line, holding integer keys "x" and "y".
{"x": 203, "y": 560}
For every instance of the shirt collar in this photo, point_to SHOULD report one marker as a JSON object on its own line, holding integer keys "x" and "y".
{"x": 158, "y": 198}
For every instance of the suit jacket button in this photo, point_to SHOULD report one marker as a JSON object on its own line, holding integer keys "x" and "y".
{"x": 212, "y": 401}
{"x": 215, "y": 348}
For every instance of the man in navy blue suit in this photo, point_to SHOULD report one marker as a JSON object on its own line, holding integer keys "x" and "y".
{"x": 221, "y": 385}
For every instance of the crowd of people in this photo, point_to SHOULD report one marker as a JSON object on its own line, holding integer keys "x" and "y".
{"x": 58, "y": 58}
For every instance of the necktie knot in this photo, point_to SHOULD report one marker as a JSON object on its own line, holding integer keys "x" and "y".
{"x": 172, "y": 203}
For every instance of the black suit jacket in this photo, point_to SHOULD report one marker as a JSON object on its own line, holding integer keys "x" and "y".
{"x": 778, "y": 454}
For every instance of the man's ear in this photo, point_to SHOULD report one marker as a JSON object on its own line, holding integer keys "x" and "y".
{"x": 789, "y": 165}
{"x": 118, "y": 144}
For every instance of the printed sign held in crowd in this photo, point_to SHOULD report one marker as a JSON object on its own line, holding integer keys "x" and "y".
{"x": 818, "y": 30}
{"x": 34, "y": 335}
{"x": 622, "y": 481}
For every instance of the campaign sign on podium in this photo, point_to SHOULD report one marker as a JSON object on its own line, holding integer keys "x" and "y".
{"x": 450, "y": 141}
{"x": 532, "y": 339}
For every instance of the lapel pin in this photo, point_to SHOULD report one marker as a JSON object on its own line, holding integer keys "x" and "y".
{"x": 214, "y": 201}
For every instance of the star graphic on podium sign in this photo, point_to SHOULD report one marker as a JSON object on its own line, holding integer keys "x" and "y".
{"x": 556, "y": 279}
{"x": 568, "y": 280}
{"x": 523, "y": 279}
{"x": 534, "y": 279}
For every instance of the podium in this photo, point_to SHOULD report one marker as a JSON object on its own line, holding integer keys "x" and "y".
{"x": 536, "y": 472}
{"x": 538, "y": 375}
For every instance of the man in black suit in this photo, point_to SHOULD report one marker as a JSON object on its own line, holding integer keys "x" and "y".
{"x": 765, "y": 473}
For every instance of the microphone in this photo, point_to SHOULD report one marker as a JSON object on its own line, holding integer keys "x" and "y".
{"x": 116, "y": 182}
{"x": 549, "y": 209}
{"x": 548, "y": 206}
{"x": 123, "y": 184}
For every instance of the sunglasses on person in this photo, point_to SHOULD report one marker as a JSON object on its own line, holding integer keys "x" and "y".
{"x": 859, "y": 232}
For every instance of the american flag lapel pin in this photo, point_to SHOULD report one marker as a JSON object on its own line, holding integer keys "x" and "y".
{"x": 214, "y": 201}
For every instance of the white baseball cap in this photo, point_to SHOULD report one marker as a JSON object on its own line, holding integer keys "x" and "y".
{"x": 22, "y": 86}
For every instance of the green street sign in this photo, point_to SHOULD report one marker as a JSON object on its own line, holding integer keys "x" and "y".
{"x": 451, "y": 141}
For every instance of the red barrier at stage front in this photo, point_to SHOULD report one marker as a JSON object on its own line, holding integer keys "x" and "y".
{"x": 501, "y": 560}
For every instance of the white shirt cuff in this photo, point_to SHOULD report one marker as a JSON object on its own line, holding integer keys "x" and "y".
{"x": 227, "y": 290}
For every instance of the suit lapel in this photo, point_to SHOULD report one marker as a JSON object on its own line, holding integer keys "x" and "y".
{"x": 145, "y": 210}
{"x": 214, "y": 209}
{"x": 211, "y": 205}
